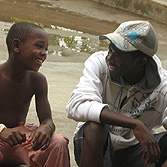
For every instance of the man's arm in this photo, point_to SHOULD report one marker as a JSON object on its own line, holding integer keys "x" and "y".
{"x": 42, "y": 135}
{"x": 86, "y": 103}
{"x": 151, "y": 150}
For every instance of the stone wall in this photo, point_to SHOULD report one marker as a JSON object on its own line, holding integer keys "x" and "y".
{"x": 148, "y": 8}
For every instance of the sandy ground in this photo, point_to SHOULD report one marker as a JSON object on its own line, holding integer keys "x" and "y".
{"x": 85, "y": 20}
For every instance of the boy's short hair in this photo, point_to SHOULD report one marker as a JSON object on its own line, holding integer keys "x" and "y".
{"x": 20, "y": 30}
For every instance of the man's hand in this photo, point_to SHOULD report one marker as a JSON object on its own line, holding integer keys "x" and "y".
{"x": 151, "y": 150}
{"x": 12, "y": 136}
{"x": 40, "y": 138}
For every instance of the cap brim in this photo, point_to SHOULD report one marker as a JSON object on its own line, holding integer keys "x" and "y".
{"x": 119, "y": 42}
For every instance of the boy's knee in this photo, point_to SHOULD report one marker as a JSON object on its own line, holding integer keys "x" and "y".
{"x": 59, "y": 140}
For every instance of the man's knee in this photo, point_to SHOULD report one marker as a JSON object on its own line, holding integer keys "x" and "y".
{"x": 91, "y": 136}
{"x": 163, "y": 147}
{"x": 95, "y": 133}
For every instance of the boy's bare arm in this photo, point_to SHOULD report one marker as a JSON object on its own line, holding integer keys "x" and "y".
{"x": 42, "y": 135}
{"x": 40, "y": 138}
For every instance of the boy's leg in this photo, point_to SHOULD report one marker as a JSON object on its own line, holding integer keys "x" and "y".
{"x": 6, "y": 153}
{"x": 56, "y": 155}
{"x": 90, "y": 144}
{"x": 9, "y": 156}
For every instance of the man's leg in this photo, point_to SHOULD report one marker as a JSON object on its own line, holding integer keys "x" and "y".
{"x": 162, "y": 142}
{"x": 130, "y": 157}
{"x": 94, "y": 140}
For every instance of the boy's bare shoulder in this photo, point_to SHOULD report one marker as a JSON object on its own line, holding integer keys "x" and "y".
{"x": 36, "y": 76}
{"x": 37, "y": 81}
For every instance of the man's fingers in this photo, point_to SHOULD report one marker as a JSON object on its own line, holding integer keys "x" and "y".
{"x": 145, "y": 153}
{"x": 157, "y": 152}
{"x": 152, "y": 153}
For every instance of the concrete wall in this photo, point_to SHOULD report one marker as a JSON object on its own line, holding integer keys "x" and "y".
{"x": 148, "y": 8}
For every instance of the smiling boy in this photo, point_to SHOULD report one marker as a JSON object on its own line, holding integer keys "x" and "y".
{"x": 19, "y": 81}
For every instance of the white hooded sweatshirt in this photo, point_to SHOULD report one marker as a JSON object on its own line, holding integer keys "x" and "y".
{"x": 146, "y": 100}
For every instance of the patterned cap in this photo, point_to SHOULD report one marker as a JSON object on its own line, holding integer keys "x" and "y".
{"x": 134, "y": 35}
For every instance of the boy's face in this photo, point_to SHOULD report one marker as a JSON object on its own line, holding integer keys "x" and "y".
{"x": 33, "y": 51}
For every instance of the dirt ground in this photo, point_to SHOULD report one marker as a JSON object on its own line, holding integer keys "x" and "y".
{"x": 72, "y": 24}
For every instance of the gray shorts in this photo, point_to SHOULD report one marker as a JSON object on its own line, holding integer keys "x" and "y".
{"x": 128, "y": 157}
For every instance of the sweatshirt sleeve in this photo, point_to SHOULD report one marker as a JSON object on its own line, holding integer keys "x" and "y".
{"x": 86, "y": 103}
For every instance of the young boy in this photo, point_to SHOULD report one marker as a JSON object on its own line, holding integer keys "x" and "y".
{"x": 19, "y": 81}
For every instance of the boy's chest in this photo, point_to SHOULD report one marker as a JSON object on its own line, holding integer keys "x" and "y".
{"x": 15, "y": 93}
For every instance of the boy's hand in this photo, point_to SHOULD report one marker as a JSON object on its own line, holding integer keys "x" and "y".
{"x": 40, "y": 138}
{"x": 151, "y": 150}
{"x": 12, "y": 136}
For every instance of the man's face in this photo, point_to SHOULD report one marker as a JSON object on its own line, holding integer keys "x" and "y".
{"x": 120, "y": 63}
{"x": 33, "y": 51}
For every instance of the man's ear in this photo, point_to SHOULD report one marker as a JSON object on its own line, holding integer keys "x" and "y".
{"x": 140, "y": 61}
{"x": 16, "y": 45}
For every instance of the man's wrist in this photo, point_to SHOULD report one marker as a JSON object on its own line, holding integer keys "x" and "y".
{"x": 2, "y": 127}
{"x": 137, "y": 123}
